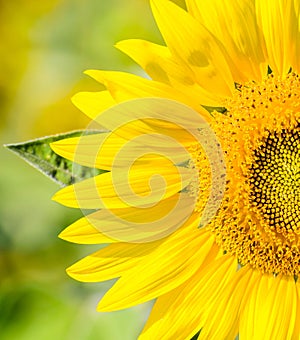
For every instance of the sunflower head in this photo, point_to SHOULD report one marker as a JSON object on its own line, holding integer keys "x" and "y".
{"x": 260, "y": 132}
{"x": 199, "y": 200}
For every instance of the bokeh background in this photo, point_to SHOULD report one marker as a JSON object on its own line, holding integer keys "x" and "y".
{"x": 45, "y": 47}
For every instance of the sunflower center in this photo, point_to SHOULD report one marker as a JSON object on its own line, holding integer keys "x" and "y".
{"x": 259, "y": 220}
{"x": 275, "y": 180}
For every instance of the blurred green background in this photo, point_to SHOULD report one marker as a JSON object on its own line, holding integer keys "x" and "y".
{"x": 45, "y": 47}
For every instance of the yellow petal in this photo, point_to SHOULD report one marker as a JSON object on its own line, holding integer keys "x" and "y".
{"x": 110, "y": 262}
{"x": 190, "y": 299}
{"x": 222, "y": 321}
{"x": 193, "y": 7}
{"x": 196, "y": 47}
{"x": 151, "y": 57}
{"x": 247, "y": 319}
{"x": 294, "y": 29}
{"x": 93, "y": 103}
{"x": 296, "y": 333}
{"x": 125, "y": 86}
{"x": 161, "y": 66}
{"x": 234, "y": 24}
{"x": 271, "y": 310}
{"x": 118, "y": 259}
{"x": 276, "y": 318}
{"x": 135, "y": 225}
{"x": 85, "y": 150}
{"x": 84, "y": 232}
{"x": 102, "y": 150}
{"x": 280, "y": 25}
{"x": 170, "y": 265}
{"x": 119, "y": 189}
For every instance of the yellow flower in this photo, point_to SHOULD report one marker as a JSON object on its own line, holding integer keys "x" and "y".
{"x": 236, "y": 64}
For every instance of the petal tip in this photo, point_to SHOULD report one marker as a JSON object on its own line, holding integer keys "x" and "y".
{"x": 63, "y": 235}
{"x": 55, "y": 197}
{"x": 55, "y": 146}
{"x": 104, "y": 307}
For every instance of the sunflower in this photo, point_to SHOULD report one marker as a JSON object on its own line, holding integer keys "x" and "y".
{"x": 236, "y": 64}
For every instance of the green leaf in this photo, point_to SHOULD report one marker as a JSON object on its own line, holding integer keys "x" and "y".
{"x": 211, "y": 109}
{"x": 38, "y": 153}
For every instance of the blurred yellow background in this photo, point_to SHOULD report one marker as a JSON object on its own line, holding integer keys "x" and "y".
{"x": 45, "y": 47}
